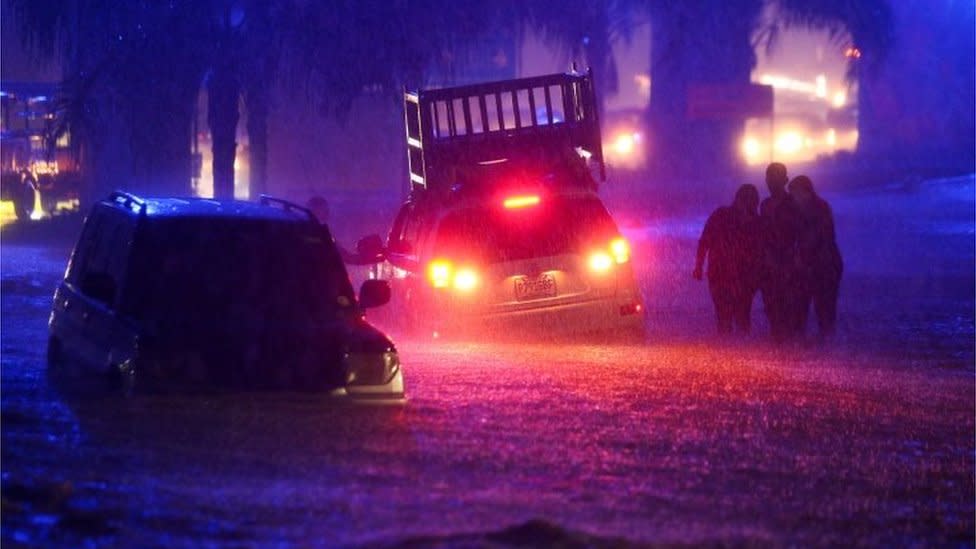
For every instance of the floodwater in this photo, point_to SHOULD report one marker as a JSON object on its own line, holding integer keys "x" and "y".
{"x": 683, "y": 439}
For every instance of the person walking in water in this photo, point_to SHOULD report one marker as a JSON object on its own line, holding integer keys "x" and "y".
{"x": 818, "y": 259}
{"x": 731, "y": 241}
{"x": 778, "y": 277}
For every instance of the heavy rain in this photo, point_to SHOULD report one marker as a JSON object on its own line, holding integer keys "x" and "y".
{"x": 568, "y": 322}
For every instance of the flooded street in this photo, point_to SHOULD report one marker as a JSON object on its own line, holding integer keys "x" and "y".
{"x": 685, "y": 439}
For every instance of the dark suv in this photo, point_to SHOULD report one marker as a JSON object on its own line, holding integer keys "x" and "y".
{"x": 174, "y": 293}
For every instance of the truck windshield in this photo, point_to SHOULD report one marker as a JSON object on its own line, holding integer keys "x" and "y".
{"x": 554, "y": 226}
{"x": 209, "y": 268}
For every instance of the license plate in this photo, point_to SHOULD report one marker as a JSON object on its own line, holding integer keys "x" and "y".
{"x": 536, "y": 287}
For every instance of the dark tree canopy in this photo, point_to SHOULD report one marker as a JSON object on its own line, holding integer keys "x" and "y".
{"x": 133, "y": 70}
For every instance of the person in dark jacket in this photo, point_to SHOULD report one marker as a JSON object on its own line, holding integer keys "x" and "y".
{"x": 818, "y": 258}
{"x": 731, "y": 240}
{"x": 778, "y": 277}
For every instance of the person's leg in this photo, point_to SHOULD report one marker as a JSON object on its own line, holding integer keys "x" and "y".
{"x": 825, "y": 306}
{"x": 766, "y": 293}
{"x": 778, "y": 310}
{"x": 723, "y": 304}
{"x": 743, "y": 310}
{"x": 771, "y": 298}
{"x": 799, "y": 310}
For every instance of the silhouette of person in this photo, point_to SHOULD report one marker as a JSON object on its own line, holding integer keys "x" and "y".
{"x": 818, "y": 258}
{"x": 778, "y": 277}
{"x": 319, "y": 206}
{"x": 731, "y": 240}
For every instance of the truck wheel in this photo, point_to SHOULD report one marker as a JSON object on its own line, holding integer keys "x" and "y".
{"x": 24, "y": 202}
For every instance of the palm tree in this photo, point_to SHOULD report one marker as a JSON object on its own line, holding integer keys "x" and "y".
{"x": 868, "y": 27}
{"x": 585, "y": 31}
{"x": 263, "y": 44}
{"x": 695, "y": 43}
{"x": 224, "y": 91}
{"x": 132, "y": 83}
{"x": 915, "y": 73}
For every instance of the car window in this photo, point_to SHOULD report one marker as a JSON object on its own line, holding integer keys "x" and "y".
{"x": 208, "y": 268}
{"x": 412, "y": 230}
{"x": 406, "y": 230}
{"x": 99, "y": 265}
{"x": 84, "y": 249}
{"x": 118, "y": 240}
{"x": 555, "y": 226}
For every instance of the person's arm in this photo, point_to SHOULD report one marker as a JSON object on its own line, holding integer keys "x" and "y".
{"x": 704, "y": 245}
{"x": 827, "y": 224}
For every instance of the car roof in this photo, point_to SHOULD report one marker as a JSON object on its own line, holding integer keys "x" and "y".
{"x": 182, "y": 207}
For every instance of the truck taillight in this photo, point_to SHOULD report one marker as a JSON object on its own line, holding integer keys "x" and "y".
{"x": 521, "y": 201}
{"x": 439, "y": 272}
{"x": 442, "y": 274}
{"x": 465, "y": 279}
{"x": 620, "y": 249}
{"x": 600, "y": 262}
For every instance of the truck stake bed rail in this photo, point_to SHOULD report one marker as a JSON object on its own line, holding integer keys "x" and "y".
{"x": 443, "y": 125}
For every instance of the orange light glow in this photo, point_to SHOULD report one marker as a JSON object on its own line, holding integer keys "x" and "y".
{"x": 439, "y": 272}
{"x": 625, "y": 143}
{"x": 465, "y": 280}
{"x": 521, "y": 201}
{"x": 600, "y": 262}
{"x": 620, "y": 250}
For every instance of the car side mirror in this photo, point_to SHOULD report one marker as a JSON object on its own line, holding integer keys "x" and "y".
{"x": 99, "y": 286}
{"x": 374, "y": 293}
{"x": 370, "y": 248}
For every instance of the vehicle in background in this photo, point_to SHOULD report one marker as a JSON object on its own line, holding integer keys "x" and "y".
{"x": 798, "y": 137}
{"x": 503, "y": 233}
{"x": 36, "y": 156}
{"x": 624, "y": 136}
{"x": 176, "y": 294}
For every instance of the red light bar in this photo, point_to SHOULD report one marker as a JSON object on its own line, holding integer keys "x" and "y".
{"x": 521, "y": 201}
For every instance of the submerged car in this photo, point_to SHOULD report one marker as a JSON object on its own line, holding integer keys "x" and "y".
{"x": 198, "y": 294}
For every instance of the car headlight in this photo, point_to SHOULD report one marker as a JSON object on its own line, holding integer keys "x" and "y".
{"x": 376, "y": 368}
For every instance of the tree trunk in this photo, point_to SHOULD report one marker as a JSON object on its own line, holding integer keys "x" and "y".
{"x": 163, "y": 161}
{"x": 159, "y": 115}
{"x": 694, "y": 43}
{"x": 257, "y": 134}
{"x": 916, "y": 100}
{"x": 223, "y": 95}
{"x": 599, "y": 55}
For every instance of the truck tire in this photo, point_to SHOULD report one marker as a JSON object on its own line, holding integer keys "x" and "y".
{"x": 24, "y": 202}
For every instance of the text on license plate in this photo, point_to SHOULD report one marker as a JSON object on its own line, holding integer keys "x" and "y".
{"x": 535, "y": 287}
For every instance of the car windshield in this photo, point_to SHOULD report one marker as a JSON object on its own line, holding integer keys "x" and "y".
{"x": 553, "y": 226}
{"x": 209, "y": 268}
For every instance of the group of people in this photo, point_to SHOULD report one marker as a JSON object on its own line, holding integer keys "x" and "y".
{"x": 784, "y": 247}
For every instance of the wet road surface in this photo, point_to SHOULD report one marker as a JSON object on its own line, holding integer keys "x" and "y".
{"x": 684, "y": 439}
